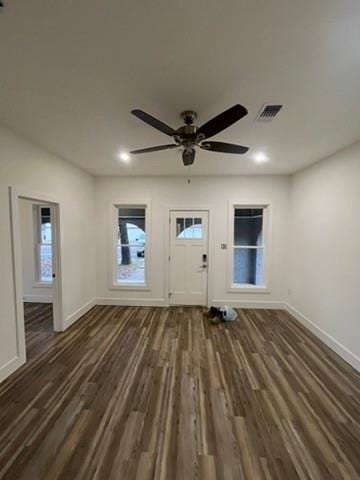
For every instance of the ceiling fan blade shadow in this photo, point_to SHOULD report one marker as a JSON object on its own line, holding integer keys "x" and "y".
{"x": 188, "y": 156}
{"x": 222, "y": 121}
{"x": 224, "y": 147}
{"x": 153, "y": 149}
{"x": 153, "y": 122}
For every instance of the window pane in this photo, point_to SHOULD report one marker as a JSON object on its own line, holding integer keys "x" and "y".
{"x": 130, "y": 233}
{"x": 45, "y": 266}
{"x": 248, "y": 266}
{"x": 45, "y": 214}
{"x": 130, "y": 264}
{"x": 131, "y": 212}
{"x": 179, "y": 227}
{"x": 130, "y": 250}
{"x": 131, "y": 226}
{"x": 259, "y": 278}
{"x": 197, "y": 229}
{"x": 188, "y": 232}
{"x": 185, "y": 228}
{"x": 46, "y": 232}
{"x": 45, "y": 225}
{"x": 189, "y": 228}
{"x": 248, "y": 226}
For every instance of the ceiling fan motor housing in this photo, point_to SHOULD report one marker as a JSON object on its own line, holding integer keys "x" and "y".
{"x": 185, "y": 134}
{"x": 189, "y": 116}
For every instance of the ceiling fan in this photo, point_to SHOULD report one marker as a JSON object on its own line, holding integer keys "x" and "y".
{"x": 190, "y": 136}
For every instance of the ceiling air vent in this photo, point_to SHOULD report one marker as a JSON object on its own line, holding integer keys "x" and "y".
{"x": 268, "y": 113}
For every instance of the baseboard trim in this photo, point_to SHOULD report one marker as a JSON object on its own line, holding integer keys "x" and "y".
{"x": 330, "y": 341}
{"x": 269, "y": 305}
{"x": 38, "y": 299}
{"x": 10, "y": 367}
{"x": 132, "y": 302}
{"x": 71, "y": 319}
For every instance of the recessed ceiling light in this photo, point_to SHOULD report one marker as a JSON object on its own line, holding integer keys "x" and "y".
{"x": 124, "y": 156}
{"x": 261, "y": 157}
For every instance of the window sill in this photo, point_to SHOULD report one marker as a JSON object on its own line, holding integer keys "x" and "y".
{"x": 248, "y": 289}
{"x": 130, "y": 286}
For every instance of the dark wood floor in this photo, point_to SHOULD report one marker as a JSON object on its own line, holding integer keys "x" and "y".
{"x": 151, "y": 393}
{"x": 39, "y": 327}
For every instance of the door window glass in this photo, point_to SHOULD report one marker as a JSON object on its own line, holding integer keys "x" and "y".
{"x": 189, "y": 228}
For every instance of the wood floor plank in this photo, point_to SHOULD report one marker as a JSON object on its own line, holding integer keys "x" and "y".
{"x": 142, "y": 393}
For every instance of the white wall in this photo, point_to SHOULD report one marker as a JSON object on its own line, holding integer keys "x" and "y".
{"x": 33, "y": 292}
{"x": 208, "y": 192}
{"x": 325, "y": 259}
{"x": 24, "y": 165}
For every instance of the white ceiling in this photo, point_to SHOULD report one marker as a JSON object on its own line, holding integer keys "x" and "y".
{"x": 71, "y": 71}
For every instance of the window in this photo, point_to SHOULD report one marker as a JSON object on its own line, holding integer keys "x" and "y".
{"x": 43, "y": 252}
{"x": 130, "y": 248}
{"x": 189, "y": 228}
{"x": 247, "y": 250}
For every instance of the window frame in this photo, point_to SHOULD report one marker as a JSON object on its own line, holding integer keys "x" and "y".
{"x": 267, "y": 219}
{"x": 114, "y": 284}
{"x": 39, "y": 282}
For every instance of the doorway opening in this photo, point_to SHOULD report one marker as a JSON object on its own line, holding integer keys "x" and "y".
{"x": 36, "y": 233}
{"x": 37, "y": 273}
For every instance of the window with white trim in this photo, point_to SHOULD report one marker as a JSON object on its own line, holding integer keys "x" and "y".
{"x": 248, "y": 246}
{"x": 130, "y": 245}
{"x": 43, "y": 244}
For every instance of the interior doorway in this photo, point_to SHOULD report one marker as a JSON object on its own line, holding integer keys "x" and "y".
{"x": 37, "y": 272}
{"x": 188, "y": 257}
{"x": 36, "y": 233}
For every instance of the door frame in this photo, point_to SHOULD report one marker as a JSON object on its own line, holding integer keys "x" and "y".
{"x": 16, "y": 194}
{"x": 167, "y": 230}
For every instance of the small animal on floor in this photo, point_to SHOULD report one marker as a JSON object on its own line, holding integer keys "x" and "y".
{"x": 222, "y": 314}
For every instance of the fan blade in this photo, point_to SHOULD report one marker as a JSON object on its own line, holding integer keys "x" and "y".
{"x": 154, "y": 122}
{"x": 222, "y": 121}
{"x": 223, "y": 147}
{"x": 154, "y": 149}
{"x": 188, "y": 156}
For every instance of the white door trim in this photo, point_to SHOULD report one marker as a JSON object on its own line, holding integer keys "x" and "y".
{"x": 167, "y": 212}
{"x": 15, "y": 194}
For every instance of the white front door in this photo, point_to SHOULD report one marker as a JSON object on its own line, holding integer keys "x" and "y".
{"x": 188, "y": 257}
